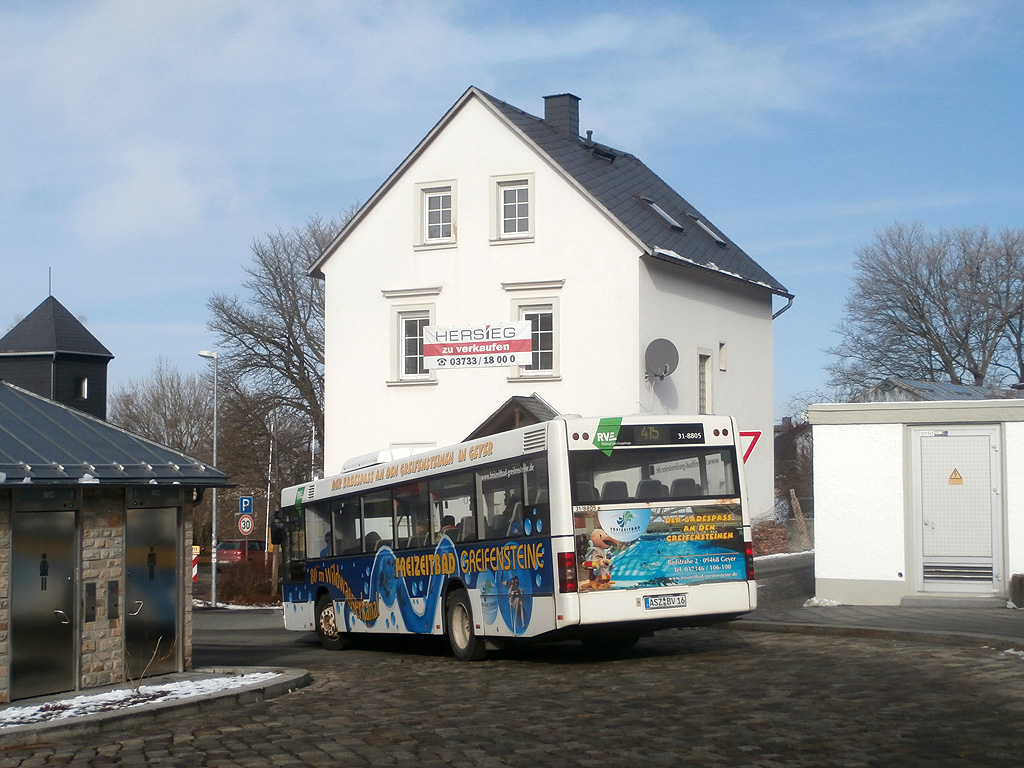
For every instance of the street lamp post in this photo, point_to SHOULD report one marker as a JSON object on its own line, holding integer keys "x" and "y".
{"x": 213, "y": 536}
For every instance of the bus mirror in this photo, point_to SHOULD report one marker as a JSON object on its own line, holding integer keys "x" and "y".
{"x": 276, "y": 533}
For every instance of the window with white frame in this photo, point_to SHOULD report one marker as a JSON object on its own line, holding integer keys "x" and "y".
{"x": 542, "y": 314}
{"x": 411, "y": 329}
{"x": 513, "y": 206}
{"x": 408, "y": 319}
{"x": 542, "y": 332}
{"x": 515, "y": 210}
{"x": 437, "y": 214}
{"x": 544, "y": 335}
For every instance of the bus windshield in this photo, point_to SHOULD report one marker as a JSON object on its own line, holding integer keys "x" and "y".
{"x": 653, "y": 475}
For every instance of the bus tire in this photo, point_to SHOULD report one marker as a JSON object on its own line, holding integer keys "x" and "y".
{"x": 459, "y": 627}
{"x": 331, "y": 637}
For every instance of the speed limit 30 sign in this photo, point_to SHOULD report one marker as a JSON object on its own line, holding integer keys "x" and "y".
{"x": 245, "y": 524}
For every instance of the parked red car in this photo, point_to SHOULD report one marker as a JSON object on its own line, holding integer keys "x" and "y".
{"x": 232, "y": 552}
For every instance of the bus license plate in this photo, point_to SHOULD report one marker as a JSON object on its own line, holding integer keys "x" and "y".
{"x": 657, "y": 602}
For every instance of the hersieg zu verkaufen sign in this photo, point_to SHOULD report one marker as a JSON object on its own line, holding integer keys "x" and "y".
{"x": 477, "y": 346}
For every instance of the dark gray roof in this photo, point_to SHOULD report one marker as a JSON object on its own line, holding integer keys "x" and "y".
{"x": 620, "y": 182}
{"x": 517, "y": 411}
{"x": 51, "y": 328}
{"x": 44, "y": 442}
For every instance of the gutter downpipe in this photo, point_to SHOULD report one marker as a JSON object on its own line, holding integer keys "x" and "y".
{"x": 788, "y": 305}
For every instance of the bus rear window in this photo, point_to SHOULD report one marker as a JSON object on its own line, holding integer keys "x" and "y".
{"x": 653, "y": 475}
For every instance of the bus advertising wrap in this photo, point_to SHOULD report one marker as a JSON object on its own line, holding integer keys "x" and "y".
{"x": 401, "y": 591}
{"x": 660, "y": 546}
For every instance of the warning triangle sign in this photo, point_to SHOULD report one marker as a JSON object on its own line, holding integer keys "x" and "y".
{"x": 955, "y": 478}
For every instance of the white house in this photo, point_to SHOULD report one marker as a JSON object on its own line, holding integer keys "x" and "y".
{"x": 498, "y": 215}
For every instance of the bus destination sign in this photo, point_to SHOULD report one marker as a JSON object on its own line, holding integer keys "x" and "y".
{"x": 661, "y": 434}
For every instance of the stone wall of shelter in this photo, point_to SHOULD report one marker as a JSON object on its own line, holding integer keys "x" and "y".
{"x": 102, "y": 536}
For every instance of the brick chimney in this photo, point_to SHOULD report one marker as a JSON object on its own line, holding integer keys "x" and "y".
{"x": 562, "y": 112}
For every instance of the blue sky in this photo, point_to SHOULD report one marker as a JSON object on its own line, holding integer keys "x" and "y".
{"x": 144, "y": 146}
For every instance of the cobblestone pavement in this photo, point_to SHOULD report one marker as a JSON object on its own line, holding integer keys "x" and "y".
{"x": 701, "y": 697}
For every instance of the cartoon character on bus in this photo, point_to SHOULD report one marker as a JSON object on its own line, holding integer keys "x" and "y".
{"x": 598, "y": 560}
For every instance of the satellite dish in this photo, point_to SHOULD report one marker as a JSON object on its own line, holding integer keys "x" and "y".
{"x": 661, "y": 358}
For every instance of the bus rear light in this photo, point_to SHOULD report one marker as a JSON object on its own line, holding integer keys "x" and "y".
{"x": 750, "y": 561}
{"x": 567, "y": 572}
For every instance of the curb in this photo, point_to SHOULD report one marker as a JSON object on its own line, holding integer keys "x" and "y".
{"x": 287, "y": 680}
{"x": 964, "y": 639}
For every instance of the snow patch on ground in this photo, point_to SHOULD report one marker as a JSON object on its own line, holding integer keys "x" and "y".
{"x": 820, "y": 602}
{"x": 234, "y": 606}
{"x": 122, "y": 699}
{"x": 781, "y": 555}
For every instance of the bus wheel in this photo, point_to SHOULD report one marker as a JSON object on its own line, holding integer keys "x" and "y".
{"x": 327, "y": 630}
{"x": 465, "y": 644}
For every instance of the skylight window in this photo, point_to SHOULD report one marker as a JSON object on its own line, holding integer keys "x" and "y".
{"x": 708, "y": 231}
{"x": 661, "y": 212}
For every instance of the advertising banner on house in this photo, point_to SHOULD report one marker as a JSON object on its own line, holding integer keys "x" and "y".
{"x": 477, "y": 346}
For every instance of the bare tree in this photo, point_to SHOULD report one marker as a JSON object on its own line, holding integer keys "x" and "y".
{"x": 935, "y": 307}
{"x": 167, "y": 407}
{"x": 272, "y": 341}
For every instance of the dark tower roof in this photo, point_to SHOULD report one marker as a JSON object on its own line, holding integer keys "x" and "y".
{"x": 50, "y": 328}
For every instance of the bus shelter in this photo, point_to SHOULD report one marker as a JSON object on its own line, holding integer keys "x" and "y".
{"x": 95, "y": 557}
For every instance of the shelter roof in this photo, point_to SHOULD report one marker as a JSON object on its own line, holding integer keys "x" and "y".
{"x": 45, "y": 442}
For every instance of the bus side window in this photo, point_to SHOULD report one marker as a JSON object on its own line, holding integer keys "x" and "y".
{"x": 379, "y": 519}
{"x": 514, "y": 498}
{"x": 348, "y": 527}
{"x": 413, "y": 506}
{"x": 538, "y": 508}
{"x": 453, "y": 500}
{"x": 319, "y": 542}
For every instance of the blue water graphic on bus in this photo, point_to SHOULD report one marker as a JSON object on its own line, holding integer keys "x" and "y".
{"x": 654, "y": 561}
{"x": 401, "y": 591}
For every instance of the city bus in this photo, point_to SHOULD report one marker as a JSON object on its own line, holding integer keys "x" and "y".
{"x": 601, "y": 529}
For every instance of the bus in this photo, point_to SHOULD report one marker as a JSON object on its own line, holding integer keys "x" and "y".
{"x": 601, "y": 529}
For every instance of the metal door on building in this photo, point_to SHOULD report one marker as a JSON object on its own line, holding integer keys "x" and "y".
{"x": 42, "y": 623}
{"x": 151, "y": 603}
{"x": 958, "y": 487}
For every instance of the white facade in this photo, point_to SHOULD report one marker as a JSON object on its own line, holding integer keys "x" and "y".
{"x": 608, "y": 301}
{"x": 917, "y": 500}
